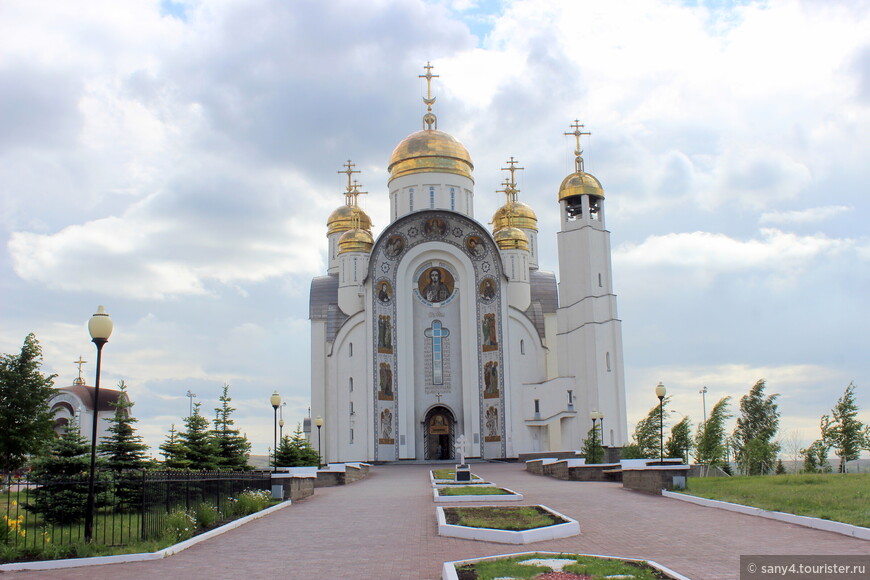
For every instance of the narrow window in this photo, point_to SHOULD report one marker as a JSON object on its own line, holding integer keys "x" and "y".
{"x": 570, "y": 397}
{"x": 537, "y": 406}
{"x": 522, "y": 346}
{"x": 607, "y": 361}
{"x": 411, "y": 200}
{"x": 432, "y": 198}
{"x": 354, "y": 269}
{"x": 452, "y": 198}
{"x": 351, "y": 407}
{"x": 350, "y": 384}
{"x": 350, "y": 350}
{"x": 599, "y": 280}
{"x": 351, "y": 436}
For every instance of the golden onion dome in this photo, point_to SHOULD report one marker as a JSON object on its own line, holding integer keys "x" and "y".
{"x": 522, "y": 216}
{"x": 355, "y": 240}
{"x": 430, "y": 151}
{"x": 511, "y": 238}
{"x": 580, "y": 183}
{"x": 342, "y": 220}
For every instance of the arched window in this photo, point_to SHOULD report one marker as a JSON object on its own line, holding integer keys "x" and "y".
{"x": 522, "y": 346}
{"x": 599, "y": 280}
{"x": 431, "y": 197}
{"x": 350, "y": 384}
{"x": 350, "y": 349}
{"x": 607, "y": 361}
{"x": 452, "y": 198}
{"x": 411, "y": 200}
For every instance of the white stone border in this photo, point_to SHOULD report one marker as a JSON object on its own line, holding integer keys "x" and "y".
{"x": 124, "y": 558}
{"x": 443, "y": 482}
{"x": 510, "y": 496}
{"x": 806, "y": 521}
{"x": 570, "y": 528}
{"x": 448, "y": 571}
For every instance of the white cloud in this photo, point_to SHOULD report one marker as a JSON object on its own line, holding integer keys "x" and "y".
{"x": 803, "y": 216}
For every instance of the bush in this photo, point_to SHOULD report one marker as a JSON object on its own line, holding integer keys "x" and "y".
{"x": 251, "y": 501}
{"x": 180, "y": 525}
{"x": 207, "y": 515}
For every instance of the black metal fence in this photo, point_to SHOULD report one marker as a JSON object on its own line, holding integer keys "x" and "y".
{"x": 131, "y": 506}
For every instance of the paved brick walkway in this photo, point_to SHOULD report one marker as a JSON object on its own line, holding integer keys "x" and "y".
{"x": 384, "y": 528}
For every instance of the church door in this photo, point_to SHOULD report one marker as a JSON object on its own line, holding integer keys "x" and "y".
{"x": 438, "y": 437}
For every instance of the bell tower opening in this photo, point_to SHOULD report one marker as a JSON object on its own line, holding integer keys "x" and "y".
{"x": 438, "y": 433}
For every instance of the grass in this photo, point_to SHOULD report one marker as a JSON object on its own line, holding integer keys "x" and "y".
{"x": 837, "y": 497}
{"x": 448, "y": 474}
{"x": 596, "y": 568}
{"x": 473, "y": 490}
{"x": 514, "y": 518}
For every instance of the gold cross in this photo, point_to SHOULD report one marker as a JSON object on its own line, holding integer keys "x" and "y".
{"x": 429, "y": 118}
{"x": 348, "y": 172}
{"x": 578, "y": 152}
{"x": 353, "y": 193}
{"x": 80, "y": 362}
{"x": 512, "y": 163}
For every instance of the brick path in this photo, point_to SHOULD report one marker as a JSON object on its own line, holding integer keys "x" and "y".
{"x": 384, "y": 528}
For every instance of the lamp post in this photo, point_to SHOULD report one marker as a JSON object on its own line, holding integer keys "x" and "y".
{"x": 275, "y": 399}
{"x": 190, "y": 395}
{"x": 319, "y": 423}
{"x": 703, "y": 392}
{"x": 281, "y": 421}
{"x": 594, "y": 416}
{"x": 100, "y": 326}
{"x": 660, "y": 393}
{"x": 601, "y": 427}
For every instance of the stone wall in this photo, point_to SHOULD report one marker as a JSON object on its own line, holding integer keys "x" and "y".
{"x": 595, "y": 472}
{"x": 651, "y": 480}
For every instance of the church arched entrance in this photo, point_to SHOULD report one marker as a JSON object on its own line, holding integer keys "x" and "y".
{"x": 438, "y": 433}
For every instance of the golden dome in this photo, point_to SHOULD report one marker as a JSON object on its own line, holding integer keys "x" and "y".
{"x": 522, "y": 217}
{"x": 341, "y": 220}
{"x": 356, "y": 240}
{"x": 511, "y": 238}
{"x": 580, "y": 183}
{"x": 430, "y": 151}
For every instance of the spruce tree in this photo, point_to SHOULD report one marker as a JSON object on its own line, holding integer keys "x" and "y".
{"x": 710, "y": 438}
{"x": 232, "y": 447}
{"x": 844, "y": 432}
{"x": 755, "y": 431}
{"x": 307, "y": 456}
{"x": 680, "y": 441}
{"x": 173, "y": 454}
{"x": 591, "y": 447}
{"x": 288, "y": 454}
{"x": 62, "y": 477}
{"x": 647, "y": 432}
{"x": 123, "y": 449}
{"x": 196, "y": 443}
{"x": 26, "y": 422}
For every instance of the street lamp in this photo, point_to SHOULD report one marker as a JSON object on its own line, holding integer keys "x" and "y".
{"x": 275, "y": 399}
{"x": 100, "y": 326}
{"x": 281, "y": 421}
{"x": 594, "y": 416}
{"x": 703, "y": 392}
{"x": 660, "y": 393}
{"x": 601, "y": 427}
{"x": 319, "y": 423}
{"x": 190, "y": 395}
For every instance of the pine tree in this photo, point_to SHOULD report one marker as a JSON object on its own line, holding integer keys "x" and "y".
{"x": 288, "y": 454}
{"x": 232, "y": 447}
{"x": 591, "y": 447}
{"x": 196, "y": 444}
{"x": 647, "y": 432}
{"x": 26, "y": 422}
{"x": 298, "y": 451}
{"x": 62, "y": 473}
{"x": 679, "y": 444}
{"x": 710, "y": 438}
{"x": 123, "y": 449}
{"x": 780, "y": 468}
{"x": 755, "y": 431}
{"x": 173, "y": 454}
{"x": 844, "y": 432}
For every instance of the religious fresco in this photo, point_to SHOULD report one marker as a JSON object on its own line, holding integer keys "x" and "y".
{"x": 385, "y": 334}
{"x": 487, "y": 328}
{"x": 493, "y": 433}
{"x": 385, "y": 382}
{"x": 386, "y": 428}
{"x": 436, "y": 285}
{"x": 490, "y": 380}
{"x": 384, "y": 291}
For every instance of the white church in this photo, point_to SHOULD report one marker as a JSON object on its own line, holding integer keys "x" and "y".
{"x": 441, "y": 327}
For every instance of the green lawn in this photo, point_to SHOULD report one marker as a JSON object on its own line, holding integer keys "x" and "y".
{"x": 501, "y": 518}
{"x": 595, "y": 568}
{"x": 838, "y": 497}
{"x": 472, "y": 490}
{"x": 448, "y": 474}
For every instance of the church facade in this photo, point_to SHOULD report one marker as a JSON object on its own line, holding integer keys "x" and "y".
{"x": 441, "y": 327}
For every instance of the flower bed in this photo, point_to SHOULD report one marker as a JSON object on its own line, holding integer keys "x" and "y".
{"x": 460, "y": 493}
{"x": 505, "y": 524}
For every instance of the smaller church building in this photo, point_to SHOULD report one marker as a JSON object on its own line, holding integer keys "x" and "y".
{"x": 75, "y": 404}
{"x": 440, "y": 326}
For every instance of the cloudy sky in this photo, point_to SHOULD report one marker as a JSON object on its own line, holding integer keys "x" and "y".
{"x": 176, "y": 161}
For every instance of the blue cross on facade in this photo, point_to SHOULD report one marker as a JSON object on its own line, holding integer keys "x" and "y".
{"x": 436, "y": 333}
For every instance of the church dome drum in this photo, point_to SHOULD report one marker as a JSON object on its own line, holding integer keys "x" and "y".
{"x": 356, "y": 240}
{"x": 430, "y": 151}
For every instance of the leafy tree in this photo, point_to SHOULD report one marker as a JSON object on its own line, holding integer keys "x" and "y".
{"x": 123, "y": 448}
{"x": 196, "y": 444}
{"x": 755, "y": 431}
{"x": 295, "y": 451}
{"x": 679, "y": 444}
{"x": 62, "y": 472}
{"x": 232, "y": 447}
{"x": 647, "y": 435}
{"x": 173, "y": 454}
{"x": 631, "y": 451}
{"x": 845, "y": 433}
{"x": 816, "y": 457}
{"x": 26, "y": 422}
{"x": 591, "y": 447}
{"x": 710, "y": 438}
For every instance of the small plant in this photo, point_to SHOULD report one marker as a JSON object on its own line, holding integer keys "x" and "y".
{"x": 207, "y": 515}
{"x": 10, "y": 528}
{"x": 180, "y": 525}
{"x": 250, "y": 501}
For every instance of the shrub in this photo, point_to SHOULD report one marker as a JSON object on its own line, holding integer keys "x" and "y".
{"x": 207, "y": 515}
{"x": 250, "y": 501}
{"x": 180, "y": 525}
